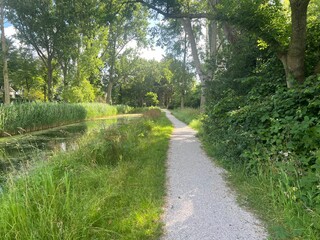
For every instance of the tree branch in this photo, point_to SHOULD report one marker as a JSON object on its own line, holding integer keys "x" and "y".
{"x": 175, "y": 15}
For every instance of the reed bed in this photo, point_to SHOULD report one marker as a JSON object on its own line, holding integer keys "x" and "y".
{"x": 26, "y": 117}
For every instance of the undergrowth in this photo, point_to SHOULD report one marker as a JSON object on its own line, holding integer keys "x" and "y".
{"x": 269, "y": 140}
{"x": 112, "y": 187}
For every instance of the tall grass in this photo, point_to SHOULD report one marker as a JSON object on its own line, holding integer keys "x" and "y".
{"x": 37, "y": 116}
{"x": 110, "y": 188}
{"x": 189, "y": 116}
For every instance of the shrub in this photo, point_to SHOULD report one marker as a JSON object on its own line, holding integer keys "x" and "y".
{"x": 275, "y": 135}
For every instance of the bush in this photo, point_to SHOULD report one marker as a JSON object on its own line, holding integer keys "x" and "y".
{"x": 152, "y": 113}
{"x": 275, "y": 135}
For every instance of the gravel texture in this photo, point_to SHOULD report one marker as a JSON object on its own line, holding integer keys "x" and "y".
{"x": 200, "y": 206}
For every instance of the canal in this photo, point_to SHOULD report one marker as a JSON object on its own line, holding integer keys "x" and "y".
{"x": 19, "y": 151}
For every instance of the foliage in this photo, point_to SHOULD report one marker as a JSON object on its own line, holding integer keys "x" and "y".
{"x": 84, "y": 92}
{"x": 112, "y": 187}
{"x": 151, "y": 99}
{"x": 19, "y": 118}
{"x": 277, "y": 137}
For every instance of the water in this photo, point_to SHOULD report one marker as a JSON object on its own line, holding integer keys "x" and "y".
{"x": 17, "y": 151}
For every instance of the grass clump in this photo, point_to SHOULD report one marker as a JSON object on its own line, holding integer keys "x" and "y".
{"x": 111, "y": 188}
{"x": 190, "y": 116}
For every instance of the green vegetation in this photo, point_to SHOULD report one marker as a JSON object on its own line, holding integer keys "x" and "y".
{"x": 36, "y": 116}
{"x": 273, "y": 140}
{"x": 111, "y": 188}
{"x": 259, "y": 83}
{"x": 190, "y": 116}
{"x": 279, "y": 181}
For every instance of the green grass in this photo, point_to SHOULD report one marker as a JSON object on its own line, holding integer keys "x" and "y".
{"x": 111, "y": 188}
{"x": 19, "y": 118}
{"x": 274, "y": 202}
{"x": 190, "y": 116}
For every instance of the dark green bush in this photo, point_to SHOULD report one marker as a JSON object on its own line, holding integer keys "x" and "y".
{"x": 276, "y": 133}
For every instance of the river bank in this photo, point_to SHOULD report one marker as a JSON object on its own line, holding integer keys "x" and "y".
{"x": 111, "y": 187}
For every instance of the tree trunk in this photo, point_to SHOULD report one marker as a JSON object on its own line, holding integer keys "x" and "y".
{"x": 45, "y": 93}
{"x": 184, "y": 71}
{"x": 182, "y": 101}
{"x": 5, "y": 61}
{"x": 65, "y": 74}
{"x": 213, "y": 33}
{"x": 297, "y": 47}
{"x": 49, "y": 79}
{"x": 188, "y": 29}
{"x": 283, "y": 59}
{"x": 229, "y": 33}
{"x": 109, "y": 92}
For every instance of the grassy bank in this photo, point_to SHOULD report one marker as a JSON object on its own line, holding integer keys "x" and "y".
{"x": 28, "y": 117}
{"x": 111, "y": 188}
{"x": 190, "y": 116}
{"x": 271, "y": 189}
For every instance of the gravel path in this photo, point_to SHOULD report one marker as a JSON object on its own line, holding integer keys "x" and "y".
{"x": 200, "y": 206}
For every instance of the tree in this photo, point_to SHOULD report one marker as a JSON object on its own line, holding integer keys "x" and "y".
{"x": 185, "y": 11}
{"x": 27, "y": 74}
{"x": 182, "y": 79}
{"x": 47, "y": 25}
{"x": 129, "y": 24}
{"x": 294, "y": 59}
{"x": 4, "y": 56}
{"x": 271, "y": 22}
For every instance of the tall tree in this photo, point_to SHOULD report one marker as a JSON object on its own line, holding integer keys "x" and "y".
{"x": 294, "y": 59}
{"x": 186, "y": 11}
{"x": 270, "y": 21}
{"x": 45, "y": 25}
{"x": 129, "y": 24}
{"x": 4, "y": 56}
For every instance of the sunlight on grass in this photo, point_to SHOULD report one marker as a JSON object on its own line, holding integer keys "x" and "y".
{"x": 190, "y": 116}
{"x": 111, "y": 188}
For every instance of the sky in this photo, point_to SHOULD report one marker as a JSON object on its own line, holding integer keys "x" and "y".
{"x": 156, "y": 53}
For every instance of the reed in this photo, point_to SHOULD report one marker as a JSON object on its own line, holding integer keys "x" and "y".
{"x": 26, "y": 117}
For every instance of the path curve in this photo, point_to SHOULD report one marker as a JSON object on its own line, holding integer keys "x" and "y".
{"x": 200, "y": 206}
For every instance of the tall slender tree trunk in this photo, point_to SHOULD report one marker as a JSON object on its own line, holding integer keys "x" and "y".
{"x": 109, "y": 92}
{"x": 64, "y": 74}
{"x": 113, "y": 37}
{"x": 4, "y": 56}
{"x": 184, "y": 72}
{"x": 49, "y": 79}
{"x": 293, "y": 60}
{"x": 195, "y": 55}
{"x": 182, "y": 101}
{"x": 213, "y": 38}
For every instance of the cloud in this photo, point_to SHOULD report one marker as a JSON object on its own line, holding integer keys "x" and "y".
{"x": 10, "y": 31}
{"x": 156, "y": 53}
